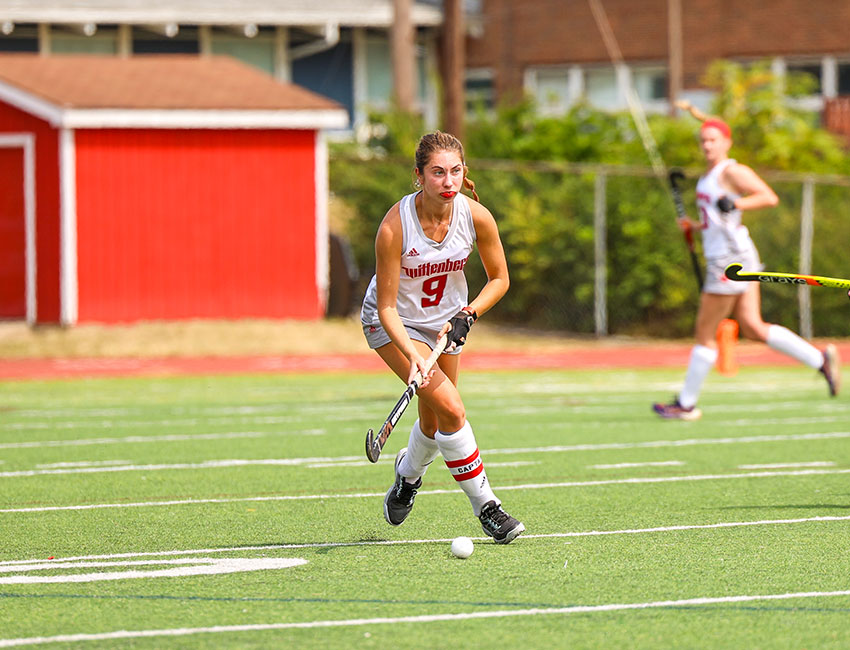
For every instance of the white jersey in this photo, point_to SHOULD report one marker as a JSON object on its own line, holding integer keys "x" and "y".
{"x": 432, "y": 286}
{"x": 722, "y": 233}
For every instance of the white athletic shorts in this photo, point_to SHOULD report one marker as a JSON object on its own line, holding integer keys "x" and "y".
{"x": 715, "y": 272}
{"x": 376, "y": 337}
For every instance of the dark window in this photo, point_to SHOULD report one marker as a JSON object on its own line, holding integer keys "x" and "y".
{"x": 184, "y": 42}
{"x": 659, "y": 86}
{"x": 844, "y": 78}
{"x": 329, "y": 73}
{"x": 24, "y": 38}
{"x": 479, "y": 92}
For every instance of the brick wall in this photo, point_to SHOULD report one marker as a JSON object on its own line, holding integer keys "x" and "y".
{"x": 522, "y": 33}
{"x": 836, "y": 116}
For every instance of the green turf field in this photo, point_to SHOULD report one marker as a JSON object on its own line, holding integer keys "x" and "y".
{"x": 241, "y": 512}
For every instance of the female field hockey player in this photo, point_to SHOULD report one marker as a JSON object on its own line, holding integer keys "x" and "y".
{"x": 418, "y": 294}
{"x": 724, "y": 191}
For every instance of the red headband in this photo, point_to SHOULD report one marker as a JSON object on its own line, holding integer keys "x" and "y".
{"x": 720, "y": 125}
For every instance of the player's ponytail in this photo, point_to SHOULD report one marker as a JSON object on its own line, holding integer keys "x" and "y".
{"x": 469, "y": 184}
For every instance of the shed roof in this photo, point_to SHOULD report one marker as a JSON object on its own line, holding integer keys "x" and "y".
{"x": 79, "y": 91}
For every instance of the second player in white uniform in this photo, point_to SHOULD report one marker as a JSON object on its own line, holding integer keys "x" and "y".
{"x": 727, "y": 189}
{"x": 725, "y": 239}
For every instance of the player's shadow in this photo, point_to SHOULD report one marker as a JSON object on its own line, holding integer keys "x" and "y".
{"x": 321, "y": 547}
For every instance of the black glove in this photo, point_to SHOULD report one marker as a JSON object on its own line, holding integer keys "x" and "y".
{"x": 725, "y": 204}
{"x": 460, "y": 322}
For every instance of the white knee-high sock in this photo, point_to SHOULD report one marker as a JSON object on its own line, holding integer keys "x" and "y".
{"x": 785, "y": 341}
{"x": 460, "y": 452}
{"x": 421, "y": 451}
{"x": 701, "y": 362}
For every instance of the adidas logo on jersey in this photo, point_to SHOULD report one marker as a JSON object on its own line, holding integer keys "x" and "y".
{"x": 412, "y": 252}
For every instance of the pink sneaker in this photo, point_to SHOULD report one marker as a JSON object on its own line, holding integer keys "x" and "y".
{"x": 676, "y": 411}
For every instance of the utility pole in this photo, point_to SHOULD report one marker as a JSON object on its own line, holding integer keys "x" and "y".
{"x": 674, "y": 52}
{"x": 454, "y": 66}
{"x": 403, "y": 57}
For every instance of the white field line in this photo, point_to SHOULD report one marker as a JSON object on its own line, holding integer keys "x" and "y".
{"x": 660, "y": 463}
{"x": 208, "y": 464}
{"x": 366, "y": 463}
{"x": 128, "y": 412}
{"x": 753, "y": 422}
{"x": 607, "y": 407}
{"x": 426, "y": 618}
{"x": 161, "y": 424}
{"x": 405, "y": 542}
{"x": 337, "y": 415}
{"x": 818, "y": 463}
{"x": 503, "y": 488}
{"x": 29, "y": 444}
{"x": 688, "y": 442}
{"x": 200, "y": 566}
{"x": 83, "y": 442}
{"x": 334, "y": 463}
{"x": 516, "y": 463}
{"x": 84, "y": 463}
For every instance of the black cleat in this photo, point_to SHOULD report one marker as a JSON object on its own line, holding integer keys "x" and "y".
{"x": 498, "y": 524}
{"x": 399, "y": 500}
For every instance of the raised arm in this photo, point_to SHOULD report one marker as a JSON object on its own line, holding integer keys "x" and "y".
{"x": 685, "y": 105}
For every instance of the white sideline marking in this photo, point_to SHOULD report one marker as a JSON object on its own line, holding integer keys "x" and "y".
{"x": 179, "y": 422}
{"x": 343, "y": 463}
{"x": 129, "y": 439}
{"x": 208, "y": 464}
{"x": 516, "y": 463}
{"x": 427, "y": 618}
{"x": 819, "y": 463}
{"x": 31, "y": 444}
{"x": 200, "y": 566}
{"x": 405, "y": 542}
{"x": 361, "y": 495}
{"x": 84, "y": 463}
{"x": 661, "y": 463}
{"x": 366, "y": 463}
{"x": 327, "y": 461}
{"x": 688, "y": 442}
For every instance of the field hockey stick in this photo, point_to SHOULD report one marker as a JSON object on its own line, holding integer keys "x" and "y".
{"x": 676, "y": 176}
{"x": 375, "y": 444}
{"x": 733, "y": 272}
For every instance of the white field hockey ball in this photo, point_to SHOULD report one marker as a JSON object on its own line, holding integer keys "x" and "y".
{"x": 462, "y": 547}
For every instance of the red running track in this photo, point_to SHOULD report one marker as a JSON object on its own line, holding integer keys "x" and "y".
{"x": 594, "y": 355}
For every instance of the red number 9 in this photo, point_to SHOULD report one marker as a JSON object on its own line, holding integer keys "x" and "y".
{"x": 433, "y": 288}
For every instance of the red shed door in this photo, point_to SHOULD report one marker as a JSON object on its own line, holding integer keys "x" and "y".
{"x": 13, "y": 291}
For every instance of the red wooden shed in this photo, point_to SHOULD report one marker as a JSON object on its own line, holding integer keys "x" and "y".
{"x": 160, "y": 187}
